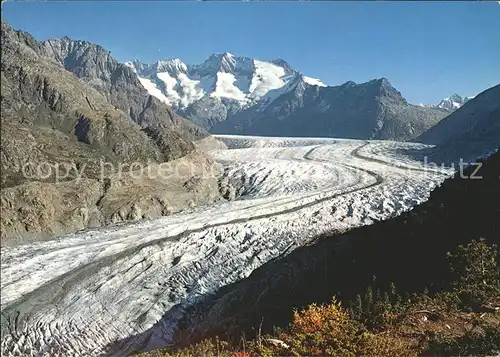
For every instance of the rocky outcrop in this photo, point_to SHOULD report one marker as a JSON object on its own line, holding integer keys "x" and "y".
{"x": 36, "y": 210}
{"x": 39, "y": 95}
{"x": 207, "y": 112}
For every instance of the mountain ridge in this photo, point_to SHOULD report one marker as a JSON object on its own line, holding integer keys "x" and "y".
{"x": 227, "y": 92}
{"x": 94, "y": 64}
{"x": 471, "y": 131}
{"x": 371, "y": 110}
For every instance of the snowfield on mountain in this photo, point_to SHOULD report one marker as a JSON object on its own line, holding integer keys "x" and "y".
{"x": 84, "y": 293}
{"x": 222, "y": 75}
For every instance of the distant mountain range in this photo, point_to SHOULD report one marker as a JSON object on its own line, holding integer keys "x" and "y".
{"x": 453, "y": 102}
{"x": 449, "y": 104}
{"x": 228, "y": 94}
{"x": 242, "y": 95}
{"x": 372, "y": 110}
{"x": 224, "y": 84}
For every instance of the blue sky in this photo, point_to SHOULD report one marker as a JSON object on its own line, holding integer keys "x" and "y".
{"x": 428, "y": 50}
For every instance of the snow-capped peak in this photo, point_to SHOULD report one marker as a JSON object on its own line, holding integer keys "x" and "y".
{"x": 137, "y": 66}
{"x": 242, "y": 80}
{"x": 225, "y": 63}
{"x": 453, "y": 102}
{"x": 172, "y": 66}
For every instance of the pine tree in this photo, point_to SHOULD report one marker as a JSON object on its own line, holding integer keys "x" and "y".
{"x": 386, "y": 300}
{"x": 368, "y": 301}
{"x": 392, "y": 291}
{"x": 357, "y": 307}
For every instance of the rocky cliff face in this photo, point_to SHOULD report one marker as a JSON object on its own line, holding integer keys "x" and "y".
{"x": 372, "y": 110}
{"x": 38, "y": 93}
{"x": 63, "y": 142}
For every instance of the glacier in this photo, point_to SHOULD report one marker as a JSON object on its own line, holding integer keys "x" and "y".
{"x": 82, "y": 294}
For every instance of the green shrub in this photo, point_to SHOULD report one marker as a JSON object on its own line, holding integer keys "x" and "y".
{"x": 476, "y": 274}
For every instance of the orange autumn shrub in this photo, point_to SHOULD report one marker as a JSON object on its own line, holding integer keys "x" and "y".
{"x": 322, "y": 330}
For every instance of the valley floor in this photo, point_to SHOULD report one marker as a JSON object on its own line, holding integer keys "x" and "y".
{"x": 78, "y": 294}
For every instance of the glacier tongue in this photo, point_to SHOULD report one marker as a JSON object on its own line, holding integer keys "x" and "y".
{"x": 124, "y": 287}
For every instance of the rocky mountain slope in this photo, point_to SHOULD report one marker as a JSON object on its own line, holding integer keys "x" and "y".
{"x": 63, "y": 141}
{"x": 469, "y": 132}
{"x": 372, "y": 110}
{"x": 240, "y": 95}
{"x": 118, "y": 83}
